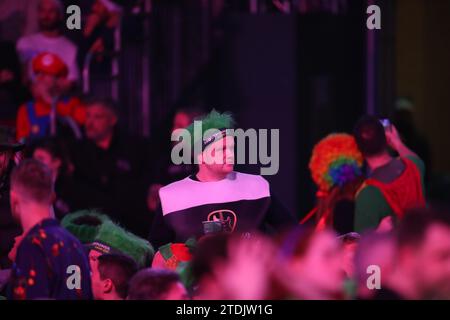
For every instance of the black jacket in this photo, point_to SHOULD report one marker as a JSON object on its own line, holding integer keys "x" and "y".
{"x": 115, "y": 180}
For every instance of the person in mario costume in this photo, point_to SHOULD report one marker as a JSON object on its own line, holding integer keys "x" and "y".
{"x": 50, "y": 105}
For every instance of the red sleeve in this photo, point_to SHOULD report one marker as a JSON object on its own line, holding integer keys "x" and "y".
{"x": 22, "y": 123}
{"x": 78, "y": 111}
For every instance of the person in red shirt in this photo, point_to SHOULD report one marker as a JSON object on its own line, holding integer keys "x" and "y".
{"x": 39, "y": 117}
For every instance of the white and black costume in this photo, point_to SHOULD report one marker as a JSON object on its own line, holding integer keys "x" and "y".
{"x": 243, "y": 201}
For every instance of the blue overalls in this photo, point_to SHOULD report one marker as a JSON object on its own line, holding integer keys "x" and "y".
{"x": 39, "y": 125}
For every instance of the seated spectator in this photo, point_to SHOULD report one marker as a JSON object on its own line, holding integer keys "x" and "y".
{"x": 102, "y": 236}
{"x": 53, "y": 154}
{"x": 422, "y": 258}
{"x": 232, "y": 267}
{"x": 49, "y": 113}
{"x": 156, "y": 284}
{"x": 111, "y": 238}
{"x": 114, "y": 166}
{"x": 210, "y": 250}
{"x": 50, "y": 39}
{"x": 111, "y": 277}
{"x": 374, "y": 249}
{"x": 310, "y": 265}
{"x": 349, "y": 245}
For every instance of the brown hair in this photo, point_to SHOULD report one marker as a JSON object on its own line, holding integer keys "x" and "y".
{"x": 413, "y": 227}
{"x": 152, "y": 284}
{"x": 119, "y": 268}
{"x": 33, "y": 180}
{"x": 370, "y": 136}
{"x": 296, "y": 242}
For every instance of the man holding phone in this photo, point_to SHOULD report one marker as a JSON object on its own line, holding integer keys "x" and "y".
{"x": 394, "y": 184}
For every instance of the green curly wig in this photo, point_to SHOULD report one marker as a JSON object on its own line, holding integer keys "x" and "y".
{"x": 100, "y": 233}
{"x": 213, "y": 120}
{"x": 125, "y": 242}
{"x": 84, "y": 224}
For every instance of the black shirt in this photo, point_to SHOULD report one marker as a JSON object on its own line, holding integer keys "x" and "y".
{"x": 242, "y": 201}
{"x": 115, "y": 180}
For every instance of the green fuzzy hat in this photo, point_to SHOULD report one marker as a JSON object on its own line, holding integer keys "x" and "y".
{"x": 221, "y": 122}
{"x": 111, "y": 237}
{"x": 84, "y": 224}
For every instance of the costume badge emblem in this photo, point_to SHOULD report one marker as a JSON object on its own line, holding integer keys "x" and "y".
{"x": 227, "y": 217}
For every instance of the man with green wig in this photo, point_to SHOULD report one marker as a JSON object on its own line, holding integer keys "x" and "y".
{"x": 103, "y": 236}
{"x": 111, "y": 238}
{"x": 216, "y": 198}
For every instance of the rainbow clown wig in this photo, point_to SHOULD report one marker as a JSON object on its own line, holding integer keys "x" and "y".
{"x": 335, "y": 161}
